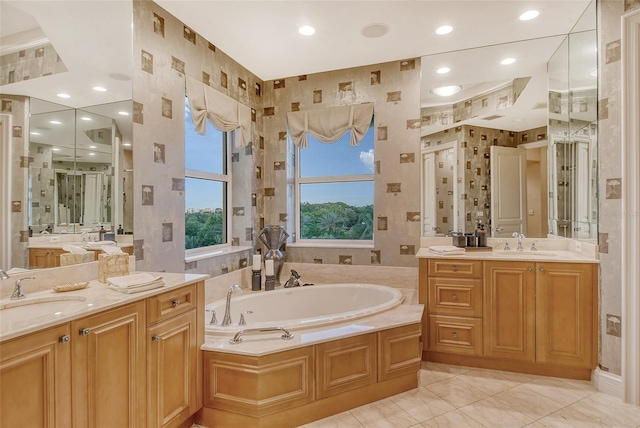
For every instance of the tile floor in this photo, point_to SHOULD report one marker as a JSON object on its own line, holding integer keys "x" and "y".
{"x": 460, "y": 397}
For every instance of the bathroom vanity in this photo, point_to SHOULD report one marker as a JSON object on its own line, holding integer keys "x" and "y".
{"x": 531, "y": 312}
{"x": 105, "y": 358}
{"x": 43, "y": 256}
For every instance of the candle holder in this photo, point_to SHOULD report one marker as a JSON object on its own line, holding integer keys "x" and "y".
{"x": 270, "y": 282}
{"x": 256, "y": 280}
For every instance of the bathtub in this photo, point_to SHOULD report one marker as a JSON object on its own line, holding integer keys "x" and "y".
{"x": 302, "y": 307}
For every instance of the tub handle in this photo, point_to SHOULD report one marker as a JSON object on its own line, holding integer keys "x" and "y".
{"x": 238, "y": 336}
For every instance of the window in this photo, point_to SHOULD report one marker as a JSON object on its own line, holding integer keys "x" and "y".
{"x": 334, "y": 191}
{"x": 207, "y": 185}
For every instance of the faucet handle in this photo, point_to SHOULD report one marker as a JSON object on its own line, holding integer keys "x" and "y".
{"x": 242, "y": 320}
{"x": 214, "y": 320}
{"x": 533, "y": 245}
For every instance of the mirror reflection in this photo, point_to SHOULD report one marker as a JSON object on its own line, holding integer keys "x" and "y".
{"x": 518, "y": 121}
{"x": 76, "y": 174}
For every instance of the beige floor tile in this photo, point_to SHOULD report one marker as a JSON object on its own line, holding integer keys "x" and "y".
{"x": 528, "y": 402}
{"x": 559, "y": 391}
{"x": 435, "y": 372}
{"x": 490, "y": 382}
{"x": 537, "y": 424}
{"x": 341, "y": 420}
{"x": 570, "y": 418}
{"x": 383, "y": 414}
{"x": 455, "y": 419}
{"x": 422, "y": 404}
{"x": 494, "y": 413}
{"x": 456, "y": 392}
{"x": 608, "y": 410}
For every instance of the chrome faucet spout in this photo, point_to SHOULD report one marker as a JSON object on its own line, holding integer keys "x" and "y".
{"x": 17, "y": 291}
{"x": 520, "y": 237}
{"x": 227, "y": 311}
{"x": 3, "y": 275}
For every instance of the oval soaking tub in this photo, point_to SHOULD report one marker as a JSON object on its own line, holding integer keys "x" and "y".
{"x": 302, "y": 307}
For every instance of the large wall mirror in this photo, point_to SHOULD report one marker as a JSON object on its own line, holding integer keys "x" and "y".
{"x": 73, "y": 100}
{"x": 508, "y": 137}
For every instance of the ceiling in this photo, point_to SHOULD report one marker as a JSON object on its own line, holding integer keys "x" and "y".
{"x": 93, "y": 38}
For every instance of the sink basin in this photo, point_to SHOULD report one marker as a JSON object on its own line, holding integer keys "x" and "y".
{"x": 40, "y": 308}
{"x": 540, "y": 254}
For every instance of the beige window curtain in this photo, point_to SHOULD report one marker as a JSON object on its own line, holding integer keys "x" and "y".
{"x": 330, "y": 124}
{"x": 225, "y": 113}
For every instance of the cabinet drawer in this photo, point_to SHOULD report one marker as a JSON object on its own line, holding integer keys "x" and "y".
{"x": 171, "y": 303}
{"x": 455, "y": 268}
{"x": 461, "y": 297}
{"x": 458, "y": 335}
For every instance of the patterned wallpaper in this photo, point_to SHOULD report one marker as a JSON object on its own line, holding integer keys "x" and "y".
{"x": 164, "y": 51}
{"x": 610, "y": 137}
{"x": 30, "y": 63}
{"x": 394, "y": 88}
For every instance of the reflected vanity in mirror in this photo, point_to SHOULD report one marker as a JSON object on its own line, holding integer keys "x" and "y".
{"x": 508, "y": 137}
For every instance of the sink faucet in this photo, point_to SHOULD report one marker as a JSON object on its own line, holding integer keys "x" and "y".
{"x": 227, "y": 312}
{"x": 3, "y": 275}
{"x": 293, "y": 281}
{"x": 17, "y": 291}
{"x": 520, "y": 237}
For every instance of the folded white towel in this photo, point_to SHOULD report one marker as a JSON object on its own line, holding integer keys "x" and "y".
{"x": 446, "y": 249}
{"x": 134, "y": 280}
{"x": 138, "y": 289}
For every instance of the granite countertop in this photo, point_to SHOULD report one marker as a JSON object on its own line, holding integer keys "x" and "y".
{"x": 46, "y": 308}
{"x": 268, "y": 343}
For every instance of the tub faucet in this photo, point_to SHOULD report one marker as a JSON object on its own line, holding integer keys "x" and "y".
{"x": 227, "y": 311}
{"x": 3, "y": 275}
{"x": 293, "y": 281}
{"x": 17, "y": 291}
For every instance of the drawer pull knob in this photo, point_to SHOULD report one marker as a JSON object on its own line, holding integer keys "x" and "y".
{"x": 64, "y": 339}
{"x": 454, "y": 297}
{"x": 454, "y": 335}
{"x": 541, "y": 269}
{"x": 155, "y": 338}
{"x": 84, "y": 332}
{"x": 454, "y": 268}
{"x": 175, "y": 303}
{"x": 530, "y": 269}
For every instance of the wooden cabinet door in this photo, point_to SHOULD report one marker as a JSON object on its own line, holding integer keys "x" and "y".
{"x": 35, "y": 384}
{"x": 109, "y": 369}
{"x": 172, "y": 352}
{"x": 509, "y": 310}
{"x": 564, "y": 312}
{"x": 43, "y": 258}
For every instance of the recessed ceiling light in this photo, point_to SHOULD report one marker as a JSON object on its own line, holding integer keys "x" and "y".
{"x": 123, "y": 113}
{"x": 99, "y": 89}
{"x": 529, "y": 15}
{"x": 126, "y": 144}
{"x": 445, "y": 29}
{"x": 91, "y": 154}
{"x": 508, "y": 61}
{"x": 446, "y": 91}
{"x": 55, "y": 122}
{"x": 55, "y": 149}
{"x": 62, "y": 95}
{"x": 306, "y": 30}
{"x": 375, "y": 30}
{"x": 92, "y": 147}
{"x": 85, "y": 118}
{"x": 34, "y": 133}
{"x": 443, "y": 70}
{"x": 593, "y": 72}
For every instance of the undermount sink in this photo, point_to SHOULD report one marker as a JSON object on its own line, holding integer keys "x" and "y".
{"x": 526, "y": 254}
{"x": 30, "y": 309}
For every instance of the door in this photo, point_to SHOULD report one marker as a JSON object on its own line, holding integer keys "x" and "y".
{"x": 564, "y": 314}
{"x": 36, "y": 385}
{"x": 509, "y": 310}
{"x": 108, "y": 376}
{"x": 508, "y": 191}
{"x": 429, "y": 226}
{"x": 172, "y": 351}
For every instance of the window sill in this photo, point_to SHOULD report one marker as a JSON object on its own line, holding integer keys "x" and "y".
{"x": 333, "y": 244}
{"x": 214, "y": 253}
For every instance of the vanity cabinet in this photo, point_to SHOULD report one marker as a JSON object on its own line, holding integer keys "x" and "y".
{"x": 42, "y": 258}
{"x": 36, "y": 379}
{"x": 172, "y": 357}
{"x": 535, "y": 317}
{"x": 109, "y": 368}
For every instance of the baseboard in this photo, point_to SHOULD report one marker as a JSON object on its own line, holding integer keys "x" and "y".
{"x": 607, "y": 383}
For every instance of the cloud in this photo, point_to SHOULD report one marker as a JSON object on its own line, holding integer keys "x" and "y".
{"x": 367, "y": 159}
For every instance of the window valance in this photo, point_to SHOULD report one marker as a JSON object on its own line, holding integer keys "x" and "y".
{"x": 329, "y": 124}
{"x": 225, "y": 113}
